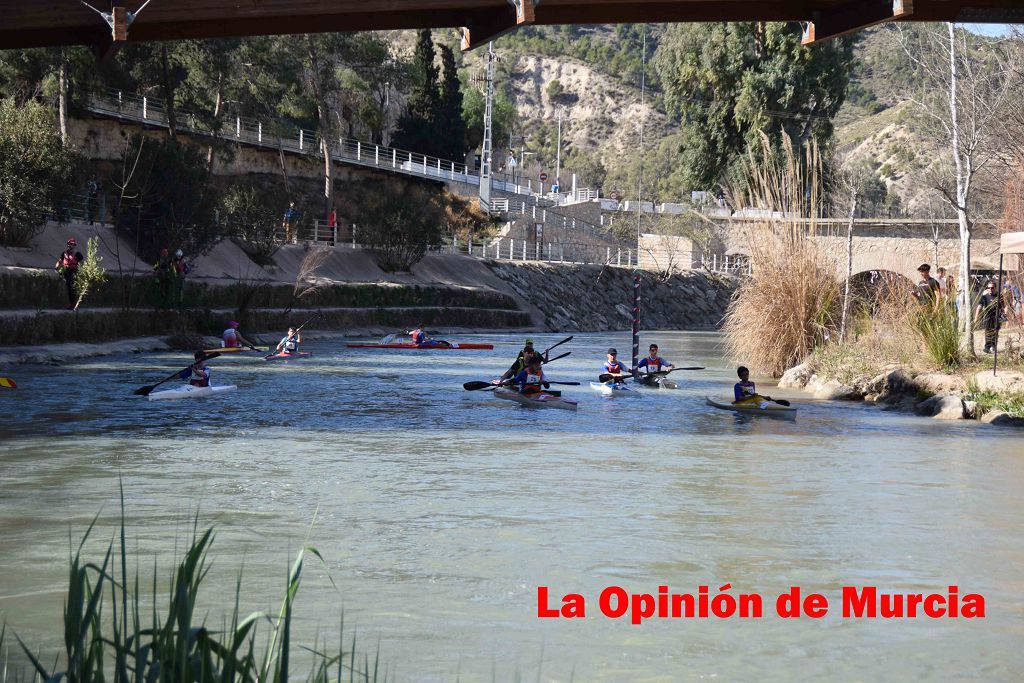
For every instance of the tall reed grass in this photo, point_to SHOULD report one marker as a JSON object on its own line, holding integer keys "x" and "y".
{"x": 109, "y": 636}
{"x": 792, "y": 301}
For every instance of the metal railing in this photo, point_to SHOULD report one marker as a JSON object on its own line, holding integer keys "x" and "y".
{"x": 278, "y": 135}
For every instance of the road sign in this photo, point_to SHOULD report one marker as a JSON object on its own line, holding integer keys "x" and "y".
{"x": 543, "y": 177}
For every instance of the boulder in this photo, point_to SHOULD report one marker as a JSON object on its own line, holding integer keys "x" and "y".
{"x": 796, "y": 377}
{"x": 832, "y": 390}
{"x": 896, "y": 382}
{"x": 942, "y": 407}
{"x": 1003, "y": 419}
{"x": 1006, "y": 381}
{"x": 940, "y": 383}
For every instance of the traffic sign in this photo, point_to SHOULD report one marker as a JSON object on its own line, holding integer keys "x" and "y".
{"x": 543, "y": 177}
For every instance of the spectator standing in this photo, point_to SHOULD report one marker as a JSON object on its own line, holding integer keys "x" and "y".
{"x": 944, "y": 282}
{"x": 67, "y": 266}
{"x": 987, "y": 312}
{"x": 927, "y": 291}
{"x": 288, "y": 222}
{"x": 164, "y": 276}
{"x": 179, "y": 269}
{"x": 92, "y": 193}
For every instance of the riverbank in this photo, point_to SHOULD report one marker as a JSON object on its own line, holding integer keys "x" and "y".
{"x": 973, "y": 392}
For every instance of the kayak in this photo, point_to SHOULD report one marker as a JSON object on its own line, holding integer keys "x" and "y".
{"x": 766, "y": 408}
{"x": 536, "y": 401}
{"x": 656, "y": 382}
{"x": 189, "y": 391}
{"x": 446, "y": 346}
{"x": 614, "y": 389}
{"x": 288, "y": 356}
{"x": 233, "y": 349}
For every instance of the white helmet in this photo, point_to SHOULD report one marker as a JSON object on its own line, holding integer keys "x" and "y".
{"x": 178, "y": 254}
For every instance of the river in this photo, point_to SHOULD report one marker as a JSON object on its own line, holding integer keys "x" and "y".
{"x": 439, "y": 512}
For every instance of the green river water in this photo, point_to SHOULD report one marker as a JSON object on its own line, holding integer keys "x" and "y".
{"x": 439, "y": 512}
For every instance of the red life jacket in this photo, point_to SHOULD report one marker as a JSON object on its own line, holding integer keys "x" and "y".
{"x": 68, "y": 261}
{"x": 534, "y": 383}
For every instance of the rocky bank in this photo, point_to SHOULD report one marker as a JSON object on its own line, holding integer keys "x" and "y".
{"x": 931, "y": 394}
{"x": 592, "y": 298}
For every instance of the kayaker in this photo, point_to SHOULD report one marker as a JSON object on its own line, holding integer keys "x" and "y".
{"x": 614, "y": 367}
{"x": 232, "y": 338}
{"x": 418, "y": 335}
{"x": 531, "y": 379}
{"x": 519, "y": 364}
{"x": 197, "y": 374}
{"x": 289, "y": 344}
{"x": 744, "y": 390}
{"x": 653, "y": 363}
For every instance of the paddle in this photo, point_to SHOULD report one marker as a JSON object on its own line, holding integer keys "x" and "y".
{"x": 8, "y": 383}
{"x": 662, "y": 373}
{"x": 552, "y": 360}
{"x": 477, "y": 386}
{"x": 553, "y": 346}
{"x": 606, "y": 377}
{"x": 226, "y": 349}
{"x": 145, "y": 391}
{"x": 780, "y": 401}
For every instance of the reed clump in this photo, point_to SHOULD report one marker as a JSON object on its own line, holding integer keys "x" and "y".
{"x": 791, "y": 303}
{"x": 111, "y": 637}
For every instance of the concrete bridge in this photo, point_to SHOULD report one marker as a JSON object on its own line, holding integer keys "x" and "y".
{"x": 894, "y": 245}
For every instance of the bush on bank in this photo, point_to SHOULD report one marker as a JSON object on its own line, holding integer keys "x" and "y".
{"x": 43, "y": 289}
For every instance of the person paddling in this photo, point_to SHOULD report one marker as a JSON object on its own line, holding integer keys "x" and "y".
{"x": 197, "y": 374}
{"x": 519, "y": 364}
{"x": 531, "y": 379}
{"x": 289, "y": 344}
{"x": 615, "y": 367}
{"x": 744, "y": 391}
{"x": 653, "y": 363}
{"x": 418, "y": 335}
{"x": 232, "y": 338}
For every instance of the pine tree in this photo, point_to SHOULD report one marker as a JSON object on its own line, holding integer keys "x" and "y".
{"x": 452, "y": 131}
{"x": 417, "y": 129}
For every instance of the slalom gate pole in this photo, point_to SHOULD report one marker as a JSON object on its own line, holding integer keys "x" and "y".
{"x": 636, "y": 320}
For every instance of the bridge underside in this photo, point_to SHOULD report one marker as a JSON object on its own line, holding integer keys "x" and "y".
{"x": 109, "y": 23}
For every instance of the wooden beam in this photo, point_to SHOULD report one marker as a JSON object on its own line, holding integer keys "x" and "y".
{"x": 855, "y": 15}
{"x": 515, "y": 14}
{"x": 111, "y": 41}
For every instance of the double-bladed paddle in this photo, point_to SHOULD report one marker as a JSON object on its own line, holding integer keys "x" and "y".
{"x": 145, "y": 391}
{"x": 297, "y": 330}
{"x": 607, "y": 377}
{"x": 553, "y": 346}
{"x": 552, "y": 360}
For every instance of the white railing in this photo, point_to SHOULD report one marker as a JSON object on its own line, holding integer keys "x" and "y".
{"x": 511, "y": 249}
{"x": 279, "y": 135}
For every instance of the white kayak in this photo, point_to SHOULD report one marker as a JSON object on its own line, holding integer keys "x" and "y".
{"x": 189, "y": 391}
{"x": 656, "y": 382}
{"x": 537, "y": 400}
{"x": 614, "y": 389}
{"x": 766, "y": 408}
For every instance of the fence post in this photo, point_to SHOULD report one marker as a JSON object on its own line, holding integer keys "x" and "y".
{"x": 394, "y": 158}
{"x": 259, "y": 131}
{"x": 469, "y": 244}
{"x": 511, "y": 243}
{"x": 238, "y": 126}
{"x": 524, "y": 250}
{"x": 618, "y": 257}
{"x": 452, "y": 173}
{"x": 424, "y": 163}
{"x": 608, "y": 255}
{"x": 359, "y": 151}
{"x": 376, "y": 155}
{"x": 714, "y": 262}
{"x": 301, "y": 140}
{"x": 561, "y": 252}
{"x": 536, "y": 256}
{"x": 353, "y": 235}
{"x": 145, "y": 106}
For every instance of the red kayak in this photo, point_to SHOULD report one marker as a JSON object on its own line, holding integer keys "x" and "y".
{"x": 435, "y": 346}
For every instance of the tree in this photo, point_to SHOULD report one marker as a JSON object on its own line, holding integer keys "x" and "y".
{"x": 451, "y": 126}
{"x": 36, "y": 171}
{"x": 727, "y": 83}
{"x": 398, "y": 225}
{"x": 253, "y": 214}
{"x": 418, "y": 125}
{"x": 503, "y": 116}
{"x": 168, "y": 199}
{"x": 963, "y": 98}
{"x": 90, "y": 273}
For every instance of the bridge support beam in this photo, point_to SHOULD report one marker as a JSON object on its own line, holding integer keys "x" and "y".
{"x": 852, "y": 16}
{"x": 486, "y": 29}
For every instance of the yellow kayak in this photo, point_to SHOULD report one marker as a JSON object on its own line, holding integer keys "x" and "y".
{"x": 756, "y": 408}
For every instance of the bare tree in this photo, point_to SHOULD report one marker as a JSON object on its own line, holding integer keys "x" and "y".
{"x": 965, "y": 89}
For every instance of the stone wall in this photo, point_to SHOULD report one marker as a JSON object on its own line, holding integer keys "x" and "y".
{"x": 591, "y": 298}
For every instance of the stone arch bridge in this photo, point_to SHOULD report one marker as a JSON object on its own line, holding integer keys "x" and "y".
{"x": 898, "y": 245}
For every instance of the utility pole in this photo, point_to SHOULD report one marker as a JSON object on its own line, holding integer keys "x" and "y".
{"x": 485, "y": 151}
{"x": 558, "y": 150}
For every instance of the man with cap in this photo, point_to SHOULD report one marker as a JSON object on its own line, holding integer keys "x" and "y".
{"x": 654, "y": 364}
{"x": 67, "y": 266}
{"x": 927, "y": 289}
{"x": 520, "y": 363}
{"x": 233, "y": 338}
{"x": 615, "y": 367}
